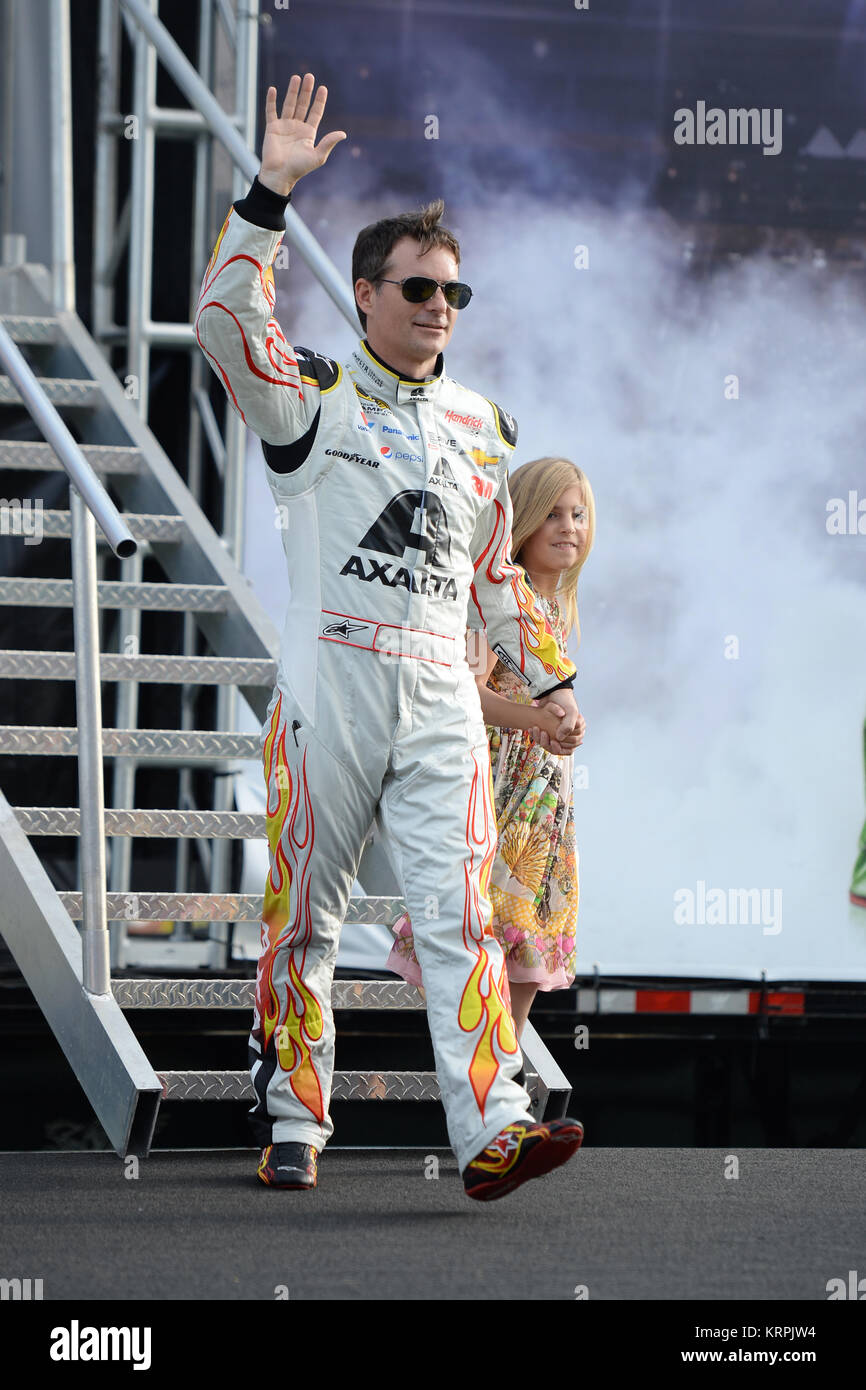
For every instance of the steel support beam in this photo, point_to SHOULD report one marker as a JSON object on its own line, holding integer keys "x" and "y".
{"x": 92, "y": 1031}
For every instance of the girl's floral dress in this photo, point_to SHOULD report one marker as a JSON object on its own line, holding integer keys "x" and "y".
{"x": 534, "y": 880}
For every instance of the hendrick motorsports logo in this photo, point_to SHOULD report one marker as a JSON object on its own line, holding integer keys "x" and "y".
{"x": 472, "y": 422}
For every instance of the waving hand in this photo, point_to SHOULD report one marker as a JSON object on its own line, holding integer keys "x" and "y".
{"x": 289, "y": 150}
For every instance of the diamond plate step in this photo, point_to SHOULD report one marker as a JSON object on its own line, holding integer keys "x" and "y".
{"x": 156, "y": 598}
{"x": 184, "y": 745}
{"x": 174, "y": 670}
{"x": 218, "y": 907}
{"x": 66, "y": 820}
{"x": 347, "y": 1085}
{"x": 240, "y": 994}
{"x": 60, "y": 390}
{"x": 173, "y": 907}
{"x": 104, "y": 458}
{"x": 57, "y": 524}
{"x": 31, "y": 328}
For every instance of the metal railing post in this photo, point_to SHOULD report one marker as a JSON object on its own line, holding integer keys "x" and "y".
{"x": 141, "y": 227}
{"x": 189, "y": 82}
{"x": 88, "y": 704}
{"x": 197, "y": 382}
{"x": 106, "y": 236}
{"x": 62, "y": 252}
{"x": 234, "y": 479}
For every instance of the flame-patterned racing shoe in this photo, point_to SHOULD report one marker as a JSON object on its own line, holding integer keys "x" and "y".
{"x": 288, "y": 1165}
{"x": 521, "y": 1151}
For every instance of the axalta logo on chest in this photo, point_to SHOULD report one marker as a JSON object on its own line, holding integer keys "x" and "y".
{"x": 412, "y": 523}
{"x": 415, "y": 581}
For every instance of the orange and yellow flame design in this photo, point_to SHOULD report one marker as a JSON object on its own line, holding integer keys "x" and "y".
{"x": 534, "y": 630}
{"x": 486, "y": 999}
{"x": 216, "y": 250}
{"x": 303, "y": 1021}
{"x": 278, "y": 351}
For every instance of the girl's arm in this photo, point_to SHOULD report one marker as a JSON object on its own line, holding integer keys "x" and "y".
{"x": 508, "y": 714}
{"x": 498, "y": 709}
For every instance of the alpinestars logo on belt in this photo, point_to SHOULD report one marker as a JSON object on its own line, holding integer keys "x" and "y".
{"x": 413, "y": 521}
{"x": 343, "y": 629}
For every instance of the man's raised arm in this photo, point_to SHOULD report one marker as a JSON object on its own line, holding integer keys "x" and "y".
{"x": 234, "y": 321}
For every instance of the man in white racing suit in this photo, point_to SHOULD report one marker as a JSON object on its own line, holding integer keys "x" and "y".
{"x": 391, "y": 488}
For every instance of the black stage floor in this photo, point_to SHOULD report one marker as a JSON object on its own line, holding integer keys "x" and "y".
{"x": 651, "y": 1223}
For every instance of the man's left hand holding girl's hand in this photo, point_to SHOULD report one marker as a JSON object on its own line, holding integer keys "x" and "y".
{"x": 571, "y": 729}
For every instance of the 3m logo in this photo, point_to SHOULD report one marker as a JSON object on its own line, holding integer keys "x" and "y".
{"x": 412, "y": 521}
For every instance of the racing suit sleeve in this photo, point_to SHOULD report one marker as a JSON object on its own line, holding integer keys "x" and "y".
{"x": 274, "y": 395}
{"x": 501, "y": 600}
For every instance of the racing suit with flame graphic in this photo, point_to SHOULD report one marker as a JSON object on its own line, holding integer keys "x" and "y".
{"x": 393, "y": 502}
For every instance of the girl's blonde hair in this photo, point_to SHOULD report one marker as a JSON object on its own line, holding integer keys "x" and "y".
{"x": 535, "y": 488}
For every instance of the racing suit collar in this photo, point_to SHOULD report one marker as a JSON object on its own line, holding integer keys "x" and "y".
{"x": 374, "y": 375}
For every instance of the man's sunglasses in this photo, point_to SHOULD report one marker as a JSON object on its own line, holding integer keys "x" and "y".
{"x": 419, "y": 288}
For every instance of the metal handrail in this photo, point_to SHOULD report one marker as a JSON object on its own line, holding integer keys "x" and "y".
{"x": 88, "y": 502}
{"x": 54, "y": 430}
{"x": 199, "y": 96}
{"x": 88, "y": 712}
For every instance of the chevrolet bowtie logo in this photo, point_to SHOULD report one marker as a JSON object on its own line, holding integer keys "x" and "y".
{"x": 343, "y": 629}
{"x": 481, "y": 459}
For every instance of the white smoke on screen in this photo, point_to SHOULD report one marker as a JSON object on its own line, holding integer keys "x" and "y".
{"x": 742, "y": 773}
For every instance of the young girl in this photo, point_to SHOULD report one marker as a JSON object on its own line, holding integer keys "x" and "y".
{"x": 533, "y": 883}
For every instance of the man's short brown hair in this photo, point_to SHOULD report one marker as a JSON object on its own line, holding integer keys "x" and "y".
{"x": 375, "y": 243}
